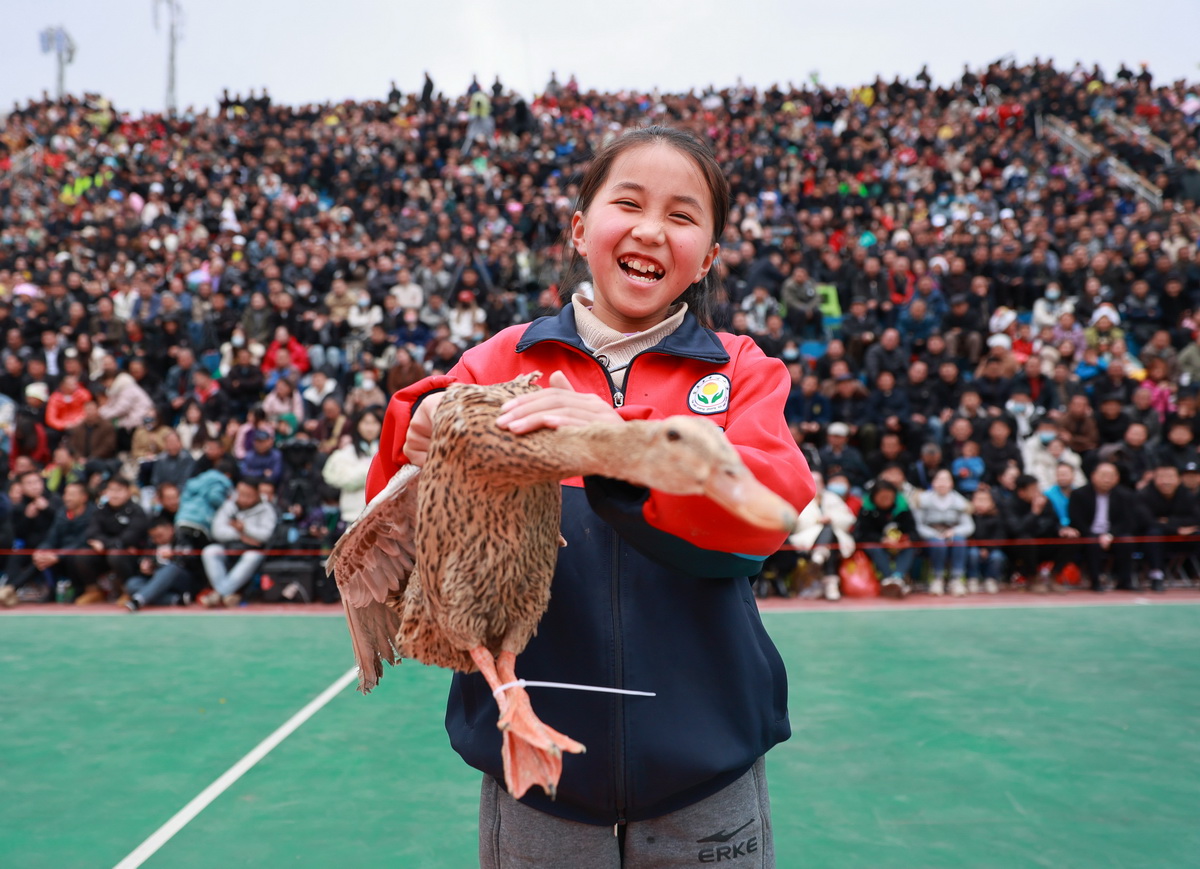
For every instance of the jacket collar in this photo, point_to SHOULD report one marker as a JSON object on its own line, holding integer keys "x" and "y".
{"x": 690, "y": 340}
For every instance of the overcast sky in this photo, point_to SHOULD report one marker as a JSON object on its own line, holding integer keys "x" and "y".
{"x": 313, "y": 50}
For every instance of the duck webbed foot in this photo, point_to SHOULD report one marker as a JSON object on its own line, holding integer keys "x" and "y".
{"x": 532, "y": 751}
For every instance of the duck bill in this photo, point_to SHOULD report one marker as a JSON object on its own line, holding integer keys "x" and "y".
{"x": 737, "y": 491}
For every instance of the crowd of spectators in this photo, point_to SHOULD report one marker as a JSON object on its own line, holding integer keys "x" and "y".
{"x": 989, "y": 339}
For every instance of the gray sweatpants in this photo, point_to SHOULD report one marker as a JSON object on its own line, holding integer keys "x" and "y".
{"x": 732, "y": 827}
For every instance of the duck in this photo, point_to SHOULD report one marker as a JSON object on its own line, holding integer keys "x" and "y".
{"x": 451, "y": 564}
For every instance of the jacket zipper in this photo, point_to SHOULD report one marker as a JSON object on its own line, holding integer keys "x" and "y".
{"x": 619, "y": 674}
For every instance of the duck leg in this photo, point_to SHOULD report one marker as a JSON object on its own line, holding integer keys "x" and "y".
{"x": 532, "y": 751}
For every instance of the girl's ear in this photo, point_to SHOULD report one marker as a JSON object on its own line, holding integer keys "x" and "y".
{"x": 577, "y": 232}
{"x": 707, "y": 263}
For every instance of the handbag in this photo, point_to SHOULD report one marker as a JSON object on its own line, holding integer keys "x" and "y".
{"x": 858, "y": 576}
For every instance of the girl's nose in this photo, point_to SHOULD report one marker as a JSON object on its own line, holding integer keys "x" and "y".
{"x": 649, "y": 230}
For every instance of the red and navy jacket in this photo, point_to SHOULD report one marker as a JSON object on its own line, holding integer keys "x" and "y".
{"x": 651, "y": 591}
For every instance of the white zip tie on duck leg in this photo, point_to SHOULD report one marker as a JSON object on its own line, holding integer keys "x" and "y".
{"x": 522, "y": 683}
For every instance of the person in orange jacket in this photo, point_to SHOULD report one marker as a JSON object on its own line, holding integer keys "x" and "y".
{"x": 65, "y": 409}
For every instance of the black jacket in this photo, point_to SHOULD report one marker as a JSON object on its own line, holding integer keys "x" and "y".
{"x": 67, "y": 531}
{"x": 1181, "y": 510}
{"x": 638, "y": 608}
{"x": 119, "y": 528}
{"x": 1124, "y": 519}
{"x": 874, "y": 523}
{"x": 31, "y": 531}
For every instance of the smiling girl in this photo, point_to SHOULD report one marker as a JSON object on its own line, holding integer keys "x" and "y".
{"x": 651, "y": 591}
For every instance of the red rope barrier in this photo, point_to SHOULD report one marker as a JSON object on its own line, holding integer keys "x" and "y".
{"x": 1021, "y": 541}
{"x": 904, "y": 544}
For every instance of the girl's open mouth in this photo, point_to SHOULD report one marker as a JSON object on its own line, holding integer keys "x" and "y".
{"x": 641, "y": 269}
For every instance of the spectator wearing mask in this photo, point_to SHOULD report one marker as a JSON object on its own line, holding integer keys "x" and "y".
{"x": 1043, "y": 450}
{"x": 241, "y": 528}
{"x": 366, "y": 393}
{"x": 823, "y": 533}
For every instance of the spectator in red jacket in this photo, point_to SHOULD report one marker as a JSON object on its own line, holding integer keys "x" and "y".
{"x": 66, "y": 406}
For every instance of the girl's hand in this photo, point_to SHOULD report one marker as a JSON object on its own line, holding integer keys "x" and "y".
{"x": 556, "y": 406}
{"x": 420, "y": 428}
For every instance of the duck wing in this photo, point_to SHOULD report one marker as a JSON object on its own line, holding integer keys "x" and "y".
{"x": 372, "y": 563}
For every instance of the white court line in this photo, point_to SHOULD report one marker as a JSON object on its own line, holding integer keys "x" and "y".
{"x": 163, "y": 834}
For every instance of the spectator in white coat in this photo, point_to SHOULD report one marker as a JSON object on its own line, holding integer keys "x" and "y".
{"x": 823, "y": 533}
{"x": 347, "y": 466}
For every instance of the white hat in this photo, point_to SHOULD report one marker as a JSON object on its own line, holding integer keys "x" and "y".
{"x": 1002, "y": 319}
{"x": 40, "y": 391}
{"x": 839, "y": 429}
{"x": 1000, "y": 340}
{"x": 938, "y": 220}
{"x": 1007, "y": 213}
{"x": 1106, "y": 311}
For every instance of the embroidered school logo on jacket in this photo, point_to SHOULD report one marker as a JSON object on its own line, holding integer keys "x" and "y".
{"x": 709, "y": 395}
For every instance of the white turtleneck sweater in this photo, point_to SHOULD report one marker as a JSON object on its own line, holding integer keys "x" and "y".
{"x": 614, "y": 350}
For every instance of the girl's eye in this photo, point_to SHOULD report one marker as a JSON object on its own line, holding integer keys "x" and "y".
{"x": 679, "y": 215}
{"x": 627, "y": 203}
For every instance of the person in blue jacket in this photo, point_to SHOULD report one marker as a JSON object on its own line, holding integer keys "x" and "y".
{"x": 652, "y": 592}
{"x": 198, "y": 504}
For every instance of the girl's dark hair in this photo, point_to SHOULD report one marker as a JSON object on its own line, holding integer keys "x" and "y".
{"x": 700, "y": 295}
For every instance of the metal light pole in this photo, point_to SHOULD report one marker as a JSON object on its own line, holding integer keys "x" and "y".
{"x": 57, "y": 39}
{"x": 174, "y": 34}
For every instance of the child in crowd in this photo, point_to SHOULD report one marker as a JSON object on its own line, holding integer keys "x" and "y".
{"x": 944, "y": 522}
{"x": 986, "y": 561}
{"x": 968, "y": 469}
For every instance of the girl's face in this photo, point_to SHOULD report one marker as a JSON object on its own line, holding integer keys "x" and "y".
{"x": 647, "y": 236}
{"x": 943, "y": 482}
{"x": 369, "y": 428}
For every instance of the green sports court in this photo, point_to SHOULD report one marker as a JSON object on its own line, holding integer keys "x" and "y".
{"x": 974, "y": 736}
